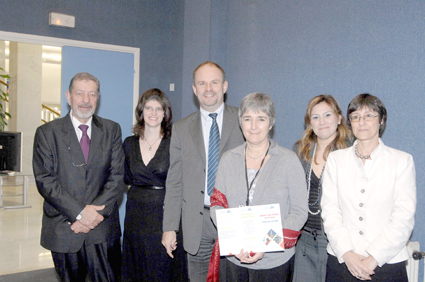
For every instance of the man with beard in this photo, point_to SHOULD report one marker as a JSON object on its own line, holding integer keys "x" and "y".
{"x": 191, "y": 175}
{"x": 78, "y": 165}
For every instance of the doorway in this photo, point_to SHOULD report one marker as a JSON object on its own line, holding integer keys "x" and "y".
{"x": 51, "y": 63}
{"x": 59, "y": 43}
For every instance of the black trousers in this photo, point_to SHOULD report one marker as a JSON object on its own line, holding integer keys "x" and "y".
{"x": 93, "y": 262}
{"x": 282, "y": 273}
{"x": 338, "y": 272}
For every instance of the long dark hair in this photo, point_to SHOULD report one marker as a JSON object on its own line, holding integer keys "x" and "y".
{"x": 153, "y": 94}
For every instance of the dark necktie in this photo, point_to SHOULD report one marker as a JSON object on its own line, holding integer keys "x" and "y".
{"x": 85, "y": 141}
{"x": 213, "y": 153}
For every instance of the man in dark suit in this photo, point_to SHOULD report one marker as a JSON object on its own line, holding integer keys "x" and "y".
{"x": 78, "y": 167}
{"x": 187, "y": 196}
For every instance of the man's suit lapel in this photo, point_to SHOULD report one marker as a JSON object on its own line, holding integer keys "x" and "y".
{"x": 71, "y": 141}
{"x": 74, "y": 148}
{"x": 197, "y": 135}
{"x": 96, "y": 137}
{"x": 229, "y": 120}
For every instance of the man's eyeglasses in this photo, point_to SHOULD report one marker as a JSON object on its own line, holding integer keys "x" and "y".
{"x": 368, "y": 117}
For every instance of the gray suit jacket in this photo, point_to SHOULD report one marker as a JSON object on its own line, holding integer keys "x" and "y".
{"x": 67, "y": 184}
{"x": 185, "y": 186}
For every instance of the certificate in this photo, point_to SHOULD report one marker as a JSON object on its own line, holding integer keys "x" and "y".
{"x": 252, "y": 228}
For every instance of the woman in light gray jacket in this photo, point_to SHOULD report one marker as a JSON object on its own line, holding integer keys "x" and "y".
{"x": 256, "y": 173}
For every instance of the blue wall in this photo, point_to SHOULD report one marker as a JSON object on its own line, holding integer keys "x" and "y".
{"x": 154, "y": 26}
{"x": 292, "y": 50}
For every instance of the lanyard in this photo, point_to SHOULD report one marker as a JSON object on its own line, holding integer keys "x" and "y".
{"x": 249, "y": 186}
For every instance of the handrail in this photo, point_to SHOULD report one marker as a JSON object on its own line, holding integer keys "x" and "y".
{"x": 48, "y": 114}
{"x": 51, "y": 110}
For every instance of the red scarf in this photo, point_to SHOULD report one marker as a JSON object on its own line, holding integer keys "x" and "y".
{"x": 217, "y": 199}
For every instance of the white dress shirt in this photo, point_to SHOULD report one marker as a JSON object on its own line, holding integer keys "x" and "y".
{"x": 369, "y": 209}
{"x": 206, "y": 125}
{"x": 76, "y": 123}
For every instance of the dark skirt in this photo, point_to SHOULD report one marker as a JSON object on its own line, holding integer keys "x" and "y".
{"x": 282, "y": 273}
{"x": 144, "y": 257}
{"x": 337, "y": 272}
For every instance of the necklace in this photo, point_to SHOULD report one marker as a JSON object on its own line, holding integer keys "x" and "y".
{"x": 249, "y": 186}
{"x": 309, "y": 184}
{"x": 359, "y": 155}
{"x": 150, "y": 145}
{"x": 254, "y": 158}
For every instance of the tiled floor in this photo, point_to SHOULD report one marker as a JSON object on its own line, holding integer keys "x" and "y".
{"x": 20, "y": 248}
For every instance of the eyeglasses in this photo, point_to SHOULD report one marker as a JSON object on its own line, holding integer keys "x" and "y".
{"x": 92, "y": 94}
{"x": 150, "y": 109}
{"x": 368, "y": 117}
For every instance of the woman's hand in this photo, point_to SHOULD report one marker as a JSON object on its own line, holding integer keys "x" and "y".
{"x": 370, "y": 262}
{"x": 357, "y": 267}
{"x": 246, "y": 257}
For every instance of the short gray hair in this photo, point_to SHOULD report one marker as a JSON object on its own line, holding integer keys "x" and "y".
{"x": 257, "y": 102}
{"x": 84, "y": 76}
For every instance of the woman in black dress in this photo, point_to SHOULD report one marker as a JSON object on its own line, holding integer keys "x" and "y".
{"x": 146, "y": 167}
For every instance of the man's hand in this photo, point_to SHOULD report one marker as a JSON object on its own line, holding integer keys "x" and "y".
{"x": 78, "y": 227}
{"x": 169, "y": 241}
{"x": 90, "y": 217}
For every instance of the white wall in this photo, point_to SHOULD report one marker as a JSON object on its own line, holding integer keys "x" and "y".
{"x": 51, "y": 84}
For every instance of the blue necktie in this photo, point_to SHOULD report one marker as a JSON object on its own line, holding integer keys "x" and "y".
{"x": 213, "y": 153}
{"x": 85, "y": 141}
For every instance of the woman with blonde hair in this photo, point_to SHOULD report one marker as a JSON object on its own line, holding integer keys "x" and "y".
{"x": 325, "y": 131}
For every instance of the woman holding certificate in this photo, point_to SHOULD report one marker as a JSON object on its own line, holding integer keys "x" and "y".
{"x": 261, "y": 172}
{"x": 369, "y": 201}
